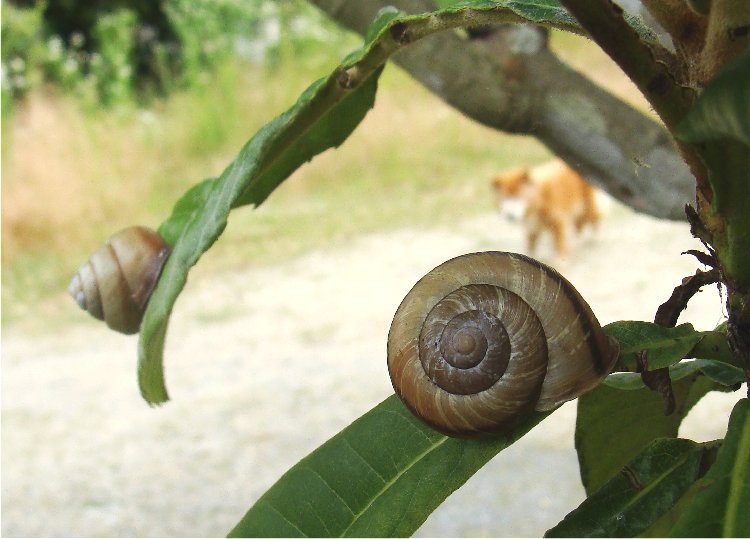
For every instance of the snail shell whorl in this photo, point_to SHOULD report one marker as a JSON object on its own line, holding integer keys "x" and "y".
{"x": 485, "y": 338}
{"x": 116, "y": 282}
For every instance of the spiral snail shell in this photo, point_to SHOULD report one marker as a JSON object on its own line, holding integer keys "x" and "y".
{"x": 116, "y": 282}
{"x": 485, "y": 338}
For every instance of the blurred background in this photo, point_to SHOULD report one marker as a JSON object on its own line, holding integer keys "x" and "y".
{"x": 110, "y": 114}
{"x": 110, "y": 111}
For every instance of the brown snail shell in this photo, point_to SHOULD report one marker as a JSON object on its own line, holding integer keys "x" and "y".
{"x": 485, "y": 338}
{"x": 116, "y": 282}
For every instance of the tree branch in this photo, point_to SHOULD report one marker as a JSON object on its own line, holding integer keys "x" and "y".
{"x": 604, "y": 20}
{"x": 512, "y": 82}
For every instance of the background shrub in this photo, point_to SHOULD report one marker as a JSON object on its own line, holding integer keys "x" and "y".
{"x": 119, "y": 52}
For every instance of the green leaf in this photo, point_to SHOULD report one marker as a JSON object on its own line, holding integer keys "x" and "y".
{"x": 384, "y": 16}
{"x": 721, "y": 505}
{"x": 728, "y": 164}
{"x": 613, "y": 426}
{"x": 723, "y": 109}
{"x": 632, "y": 501}
{"x": 717, "y": 371}
{"x": 541, "y": 11}
{"x": 381, "y": 476}
{"x": 195, "y": 198}
{"x": 627, "y": 381}
{"x": 714, "y": 345}
{"x": 665, "y": 345}
{"x": 720, "y": 372}
{"x": 548, "y": 13}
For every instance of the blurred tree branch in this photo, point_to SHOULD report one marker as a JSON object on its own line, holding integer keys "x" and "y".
{"x": 508, "y": 79}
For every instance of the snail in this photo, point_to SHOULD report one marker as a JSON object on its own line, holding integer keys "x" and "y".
{"x": 116, "y": 282}
{"x": 486, "y": 338}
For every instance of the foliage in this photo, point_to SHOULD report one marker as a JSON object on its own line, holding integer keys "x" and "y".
{"x": 112, "y": 65}
{"x": 94, "y": 58}
{"x": 630, "y": 502}
{"x": 21, "y": 31}
{"x": 117, "y": 52}
{"x": 385, "y": 474}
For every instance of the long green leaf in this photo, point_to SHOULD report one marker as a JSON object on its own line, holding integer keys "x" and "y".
{"x": 381, "y": 477}
{"x": 665, "y": 345}
{"x": 717, "y": 371}
{"x": 549, "y": 13}
{"x": 721, "y": 373}
{"x": 721, "y": 505}
{"x": 668, "y": 345}
{"x": 632, "y": 501}
{"x": 614, "y": 425}
{"x": 323, "y": 117}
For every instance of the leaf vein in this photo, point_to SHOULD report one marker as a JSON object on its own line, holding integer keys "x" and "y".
{"x": 370, "y": 466}
{"x": 286, "y": 519}
{"x": 396, "y": 477}
{"x": 655, "y": 482}
{"x": 329, "y": 487}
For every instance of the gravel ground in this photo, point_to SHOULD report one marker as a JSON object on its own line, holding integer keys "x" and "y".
{"x": 265, "y": 365}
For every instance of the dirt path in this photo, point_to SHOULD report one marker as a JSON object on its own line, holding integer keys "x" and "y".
{"x": 265, "y": 365}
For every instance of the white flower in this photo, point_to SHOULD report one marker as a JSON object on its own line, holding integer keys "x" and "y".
{"x": 77, "y": 40}
{"x": 19, "y": 81}
{"x": 70, "y": 65}
{"x": 55, "y": 47}
{"x": 271, "y": 31}
{"x": 17, "y": 65}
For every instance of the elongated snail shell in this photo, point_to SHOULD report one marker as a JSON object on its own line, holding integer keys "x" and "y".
{"x": 116, "y": 282}
{"x": 485, "y": 338}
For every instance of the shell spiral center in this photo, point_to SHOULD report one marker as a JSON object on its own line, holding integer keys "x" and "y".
{"x": 463, "y": 346}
